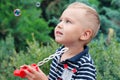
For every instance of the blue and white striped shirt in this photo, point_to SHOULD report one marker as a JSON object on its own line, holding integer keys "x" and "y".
{"x": 79, "y": 67}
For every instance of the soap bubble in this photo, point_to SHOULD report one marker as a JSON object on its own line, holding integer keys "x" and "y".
{"x": 17, "y": 12}
{"x": 37, "y": 4}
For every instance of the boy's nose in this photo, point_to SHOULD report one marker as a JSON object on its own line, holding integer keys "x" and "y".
{"x": 60, "y": 25}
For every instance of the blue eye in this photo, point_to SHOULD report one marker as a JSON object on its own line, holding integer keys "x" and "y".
{"x": 68, "y": 21}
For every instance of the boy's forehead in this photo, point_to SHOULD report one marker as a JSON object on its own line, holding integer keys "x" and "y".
{"x": 74, "y": 13}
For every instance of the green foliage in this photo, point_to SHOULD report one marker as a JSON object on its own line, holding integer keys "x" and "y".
{"x": 12, "y": 60}
{"x": 37, "y": 20}
{"x": 31, "y": 26}
{"x": 106, "y": 58}
{"x": 21, "y": 27}
{"x": 6, "y": 47}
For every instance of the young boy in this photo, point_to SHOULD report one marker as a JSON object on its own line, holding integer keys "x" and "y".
{"x": 78, "y": 24}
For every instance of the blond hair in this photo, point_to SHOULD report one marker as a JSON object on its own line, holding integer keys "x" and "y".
{"x": 92, "y": 20}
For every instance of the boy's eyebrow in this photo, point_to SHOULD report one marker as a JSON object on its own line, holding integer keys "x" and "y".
{"x": 65, "y": 18}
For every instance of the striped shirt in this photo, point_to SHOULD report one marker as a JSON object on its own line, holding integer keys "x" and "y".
{"x": 79, "y": 67}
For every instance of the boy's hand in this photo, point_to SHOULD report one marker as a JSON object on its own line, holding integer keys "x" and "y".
{"x": 32, "y": 74}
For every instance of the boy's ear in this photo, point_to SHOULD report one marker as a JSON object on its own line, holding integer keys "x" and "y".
{"x": 87, "y": 34}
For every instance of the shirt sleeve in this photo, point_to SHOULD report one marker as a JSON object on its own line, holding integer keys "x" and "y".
{"x": 86, "y": 72}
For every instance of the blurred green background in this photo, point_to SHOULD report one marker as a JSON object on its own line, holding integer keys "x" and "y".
{"x": 25, "y": 38}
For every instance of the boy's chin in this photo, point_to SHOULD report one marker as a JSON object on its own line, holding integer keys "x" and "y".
{"x": 58, "y": 41}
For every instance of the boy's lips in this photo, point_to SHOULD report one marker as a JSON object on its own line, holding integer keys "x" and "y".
{"x": 59, "y": 33}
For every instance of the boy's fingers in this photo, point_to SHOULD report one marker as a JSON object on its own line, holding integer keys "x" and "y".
{"x": 29, "y": 75}
{"x": 23, "y": 66}
{"x": 33, "y": 74}
{"x": 40, "y": 70}
{"x": 32, "y": 70}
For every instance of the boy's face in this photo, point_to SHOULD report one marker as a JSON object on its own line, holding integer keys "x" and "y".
{"x": 70, "y": 28}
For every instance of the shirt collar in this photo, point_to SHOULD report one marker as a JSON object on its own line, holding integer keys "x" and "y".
{"x": 78, "y": 56}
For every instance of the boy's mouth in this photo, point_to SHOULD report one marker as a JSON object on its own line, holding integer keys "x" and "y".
{"x": 59, "y": 33}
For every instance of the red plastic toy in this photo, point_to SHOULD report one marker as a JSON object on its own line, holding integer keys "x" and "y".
{"x": 21, "y": 73}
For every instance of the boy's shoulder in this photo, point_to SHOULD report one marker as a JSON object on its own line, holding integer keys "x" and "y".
{"x": 86, "y": 59}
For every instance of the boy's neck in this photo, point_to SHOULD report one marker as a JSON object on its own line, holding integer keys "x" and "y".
{"x": 72, "y": 51}
{"x": 75, "y": 48}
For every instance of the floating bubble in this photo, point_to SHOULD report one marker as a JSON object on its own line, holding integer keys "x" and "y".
{"x": 37, "y": 4}
{"x": 17, "y": 12}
